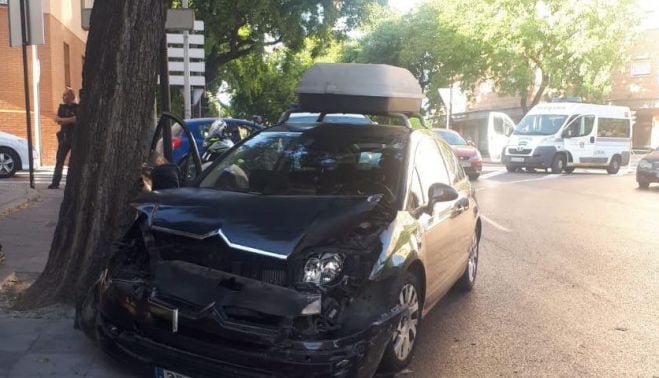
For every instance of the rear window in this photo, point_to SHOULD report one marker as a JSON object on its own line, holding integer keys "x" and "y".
{"x": 613, "y": 128}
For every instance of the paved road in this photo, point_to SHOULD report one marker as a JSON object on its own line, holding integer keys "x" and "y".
{"x": 568, "y": 283}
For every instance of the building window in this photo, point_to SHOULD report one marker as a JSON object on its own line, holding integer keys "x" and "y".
{"x": 640, "y": 67}
{"x": 67, "y": 65}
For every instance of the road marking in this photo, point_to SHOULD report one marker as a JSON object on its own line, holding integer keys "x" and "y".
{"x": 547, "y": 177}
{"x": 492, "y": 174}
{"x": 495, "y": 224}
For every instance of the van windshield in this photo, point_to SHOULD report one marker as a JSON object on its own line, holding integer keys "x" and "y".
{"x": 540, "y": 124}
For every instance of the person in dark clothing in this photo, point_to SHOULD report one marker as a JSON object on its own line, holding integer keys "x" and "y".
{"x": 66, "y": 118}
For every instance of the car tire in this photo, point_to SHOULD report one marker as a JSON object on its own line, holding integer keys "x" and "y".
{"x": 9, "y": 162}
{"x": 474, "y": 177}
{"x": 510, "y": 168}
{"x": 643, "y": 185}
{"x": 399, "y": 352}
{"x": 614, "y": 166}
{"x": 466, "y": 282}
{"x": 558, "y": 164}
{"x": 569, "y": 170}
{"x": 530, "y": 170}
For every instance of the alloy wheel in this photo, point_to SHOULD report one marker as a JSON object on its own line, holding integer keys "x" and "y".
{"x": 472, "y": 264}
{"x": 405, "y": 334}
{"x": 6, "y": 163}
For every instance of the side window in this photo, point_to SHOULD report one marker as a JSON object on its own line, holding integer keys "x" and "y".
{"x": 455, "y": 171}
{"x": 417, "y": 196}
{"x": 588, "y": 124}
{"x": 613, "y": 128}
{"x": 498, "y": 125}
{"x": 430, "y": 165}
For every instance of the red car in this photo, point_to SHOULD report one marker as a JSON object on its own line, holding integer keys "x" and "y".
{"x": 470, "y": 157}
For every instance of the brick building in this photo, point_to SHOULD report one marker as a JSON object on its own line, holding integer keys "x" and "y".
{"x": 60, "y": 64}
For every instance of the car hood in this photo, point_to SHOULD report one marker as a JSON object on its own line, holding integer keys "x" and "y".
{"x": 652, "y": 156}
{"x": 274, "y": 225}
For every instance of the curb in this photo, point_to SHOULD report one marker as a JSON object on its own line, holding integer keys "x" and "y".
{"x": 26, "y": 196}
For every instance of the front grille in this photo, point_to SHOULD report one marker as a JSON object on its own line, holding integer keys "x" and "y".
{"x": 214, "y": 253}
{"x": 515, "y": 151}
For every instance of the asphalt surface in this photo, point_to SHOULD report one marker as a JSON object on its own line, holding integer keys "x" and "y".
{"x": 568, "y": 283}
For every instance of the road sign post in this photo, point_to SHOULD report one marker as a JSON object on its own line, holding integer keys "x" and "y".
{"x": 25, "y": 29}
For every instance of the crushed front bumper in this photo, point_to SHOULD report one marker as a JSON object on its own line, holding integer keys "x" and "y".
{"x": 207, "y": 343}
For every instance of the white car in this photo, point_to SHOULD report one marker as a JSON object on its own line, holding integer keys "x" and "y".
{"x": 13, "y": 154}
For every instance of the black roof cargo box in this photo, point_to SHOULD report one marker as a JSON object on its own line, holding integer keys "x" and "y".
{"x": 358, "y": 88}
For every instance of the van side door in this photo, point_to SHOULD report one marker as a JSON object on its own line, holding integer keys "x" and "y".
{"x": 579, "y": 139}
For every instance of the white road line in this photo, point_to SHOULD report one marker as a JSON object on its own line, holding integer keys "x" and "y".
{"x": 534, "y": 179}
{"x": 495, "y": 224}
{"x": 492, "y": 174}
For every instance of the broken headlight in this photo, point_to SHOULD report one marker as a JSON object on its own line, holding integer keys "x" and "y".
{"x": 323, "y": 269}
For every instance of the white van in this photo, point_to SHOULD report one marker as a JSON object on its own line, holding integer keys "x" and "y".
{"x": 565, "y": 136}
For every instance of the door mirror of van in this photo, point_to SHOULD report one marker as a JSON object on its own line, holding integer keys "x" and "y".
{"x": 567, "y": 133}
{"x": 509, "y": 131}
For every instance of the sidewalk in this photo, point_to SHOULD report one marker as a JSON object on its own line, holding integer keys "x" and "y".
{"x": 41, "y": 342}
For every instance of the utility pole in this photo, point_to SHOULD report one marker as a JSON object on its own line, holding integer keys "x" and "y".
{"x": 186, "y": 70}
{"x": 449, "y": 109}
{"x": 26, "y": 86}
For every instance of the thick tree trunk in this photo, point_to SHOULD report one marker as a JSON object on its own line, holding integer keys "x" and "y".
{"x": 119, "y": 81}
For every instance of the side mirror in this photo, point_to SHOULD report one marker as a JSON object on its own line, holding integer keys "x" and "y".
{"x": 567, "y": 133}
{"x": 166, "y": 176}
{"x": 441, "y": 193}
{"x": 509, "y": 131}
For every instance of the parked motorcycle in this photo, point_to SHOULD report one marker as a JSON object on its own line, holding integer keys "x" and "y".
{"x": 217, "y": 141}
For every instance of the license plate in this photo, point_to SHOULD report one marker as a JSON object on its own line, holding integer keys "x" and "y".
{"x": 164, "y": 373}
{"x": 465, "y": 164}
{"x": 517, "y": 159}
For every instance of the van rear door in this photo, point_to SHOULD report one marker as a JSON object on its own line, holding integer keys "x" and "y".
{"x": 499, "y": 128}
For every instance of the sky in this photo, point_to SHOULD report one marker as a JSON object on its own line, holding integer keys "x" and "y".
{"x": 403, "y": 5}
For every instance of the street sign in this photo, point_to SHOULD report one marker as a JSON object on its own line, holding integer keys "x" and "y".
{"x": 33, "y": 23}
{"x": 176, "y": 54}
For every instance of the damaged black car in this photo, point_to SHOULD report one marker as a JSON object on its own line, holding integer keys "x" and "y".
{"x": 309, "y": 249}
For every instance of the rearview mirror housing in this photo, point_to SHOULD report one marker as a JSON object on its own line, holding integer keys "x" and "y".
{"x": 441, "y": 193}
{"x": 166, "y": 176}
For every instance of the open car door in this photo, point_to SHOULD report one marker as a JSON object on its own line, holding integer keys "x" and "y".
{"x": 499, "y": 129}
{"x": 159, "y": 172}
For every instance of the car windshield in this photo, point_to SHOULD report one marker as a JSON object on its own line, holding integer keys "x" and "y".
{"x": 312, "y": 162}
{"x": 540, "y": 124}
{"x": 451, "y": 137}
{"x": 353, "y": 119}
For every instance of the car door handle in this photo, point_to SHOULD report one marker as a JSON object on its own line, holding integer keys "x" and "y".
{"x": 461, "y": 206}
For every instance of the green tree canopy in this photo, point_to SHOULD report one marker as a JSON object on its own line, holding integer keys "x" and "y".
{"x": 524, "y": 46}
{"x": 236, "y": 29}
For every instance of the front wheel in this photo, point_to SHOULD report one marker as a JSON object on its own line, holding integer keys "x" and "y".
{"x": 643, "y": 185}
{"x": 466, "y": 282}
{"x": 569, "y": 169}
{"x": 400, "y": 350}
{"x": 614, "y": 166}
{"x": 8, "y": 162}
{"x": 558, "y": 164}
{"x": 474, "y": 177}
{"x": 510, "y": 168}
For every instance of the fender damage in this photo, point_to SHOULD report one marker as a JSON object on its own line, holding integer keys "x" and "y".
{"x": 202, "y": 307}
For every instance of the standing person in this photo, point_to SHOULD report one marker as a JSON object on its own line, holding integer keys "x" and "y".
{"x": 66, "y": 118}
